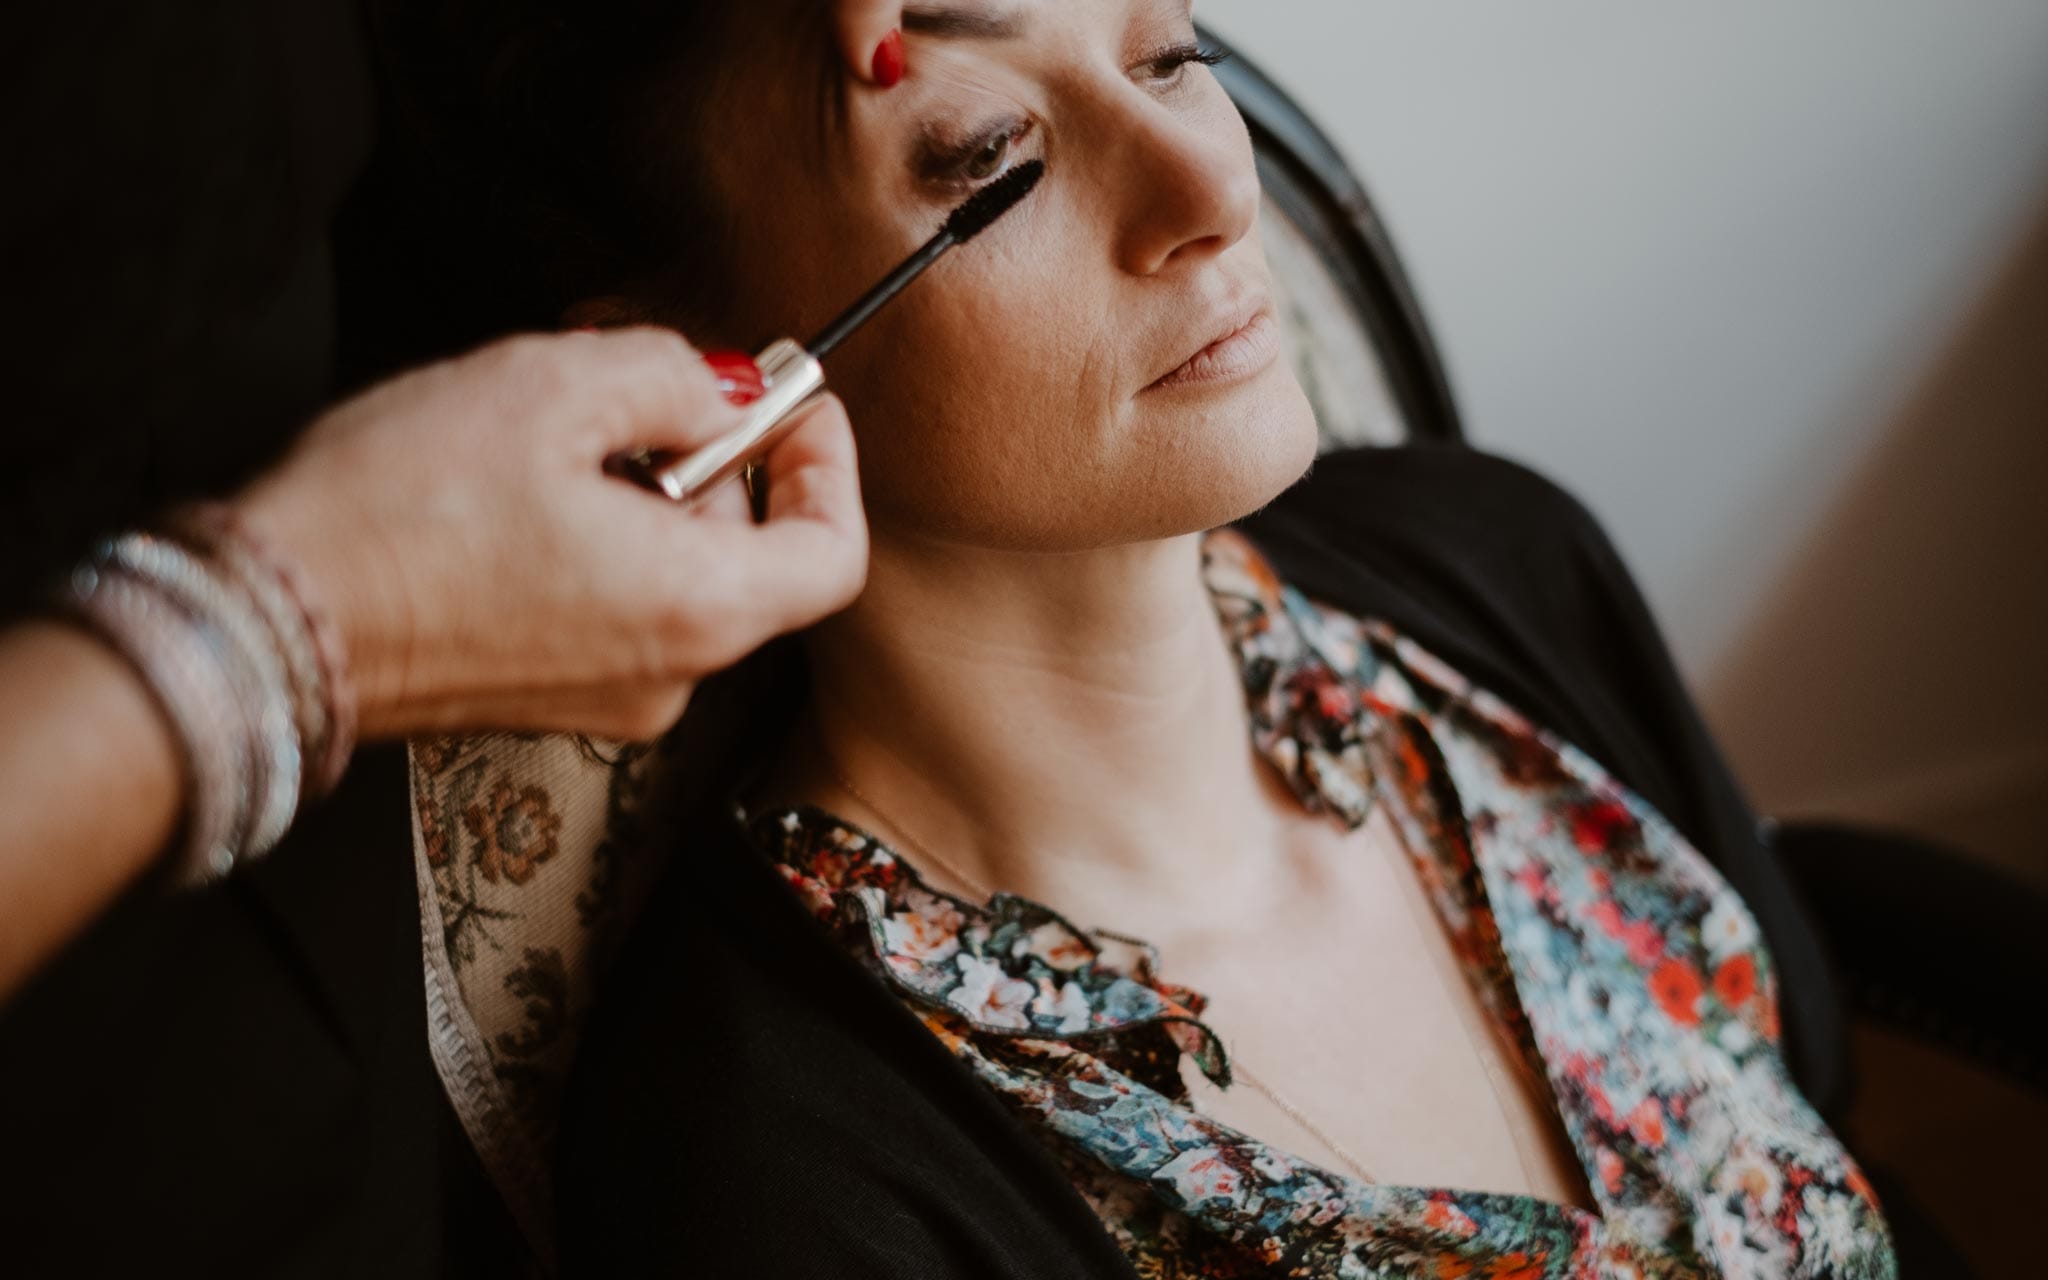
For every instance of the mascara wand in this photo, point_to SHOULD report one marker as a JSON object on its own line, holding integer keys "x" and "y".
{"x": 791, "y": 375}
{"x": 965, "y": 223}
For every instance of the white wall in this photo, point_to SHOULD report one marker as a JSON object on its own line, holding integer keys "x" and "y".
{"x": 1688, "y": 259}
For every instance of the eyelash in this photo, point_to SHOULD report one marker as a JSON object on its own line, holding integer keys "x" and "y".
{"x": 956, "y": 169}
{"x": 1167, "y": 64}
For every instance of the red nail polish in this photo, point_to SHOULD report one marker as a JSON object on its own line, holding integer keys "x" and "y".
{"x": 739, "y": 378}
{"x": 888, "y": 66}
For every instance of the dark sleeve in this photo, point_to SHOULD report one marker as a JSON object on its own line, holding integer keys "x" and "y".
{"x": 236, "y": 1082}
{"x": 749, "y": 1102}
{"x": 1512, "y": 580}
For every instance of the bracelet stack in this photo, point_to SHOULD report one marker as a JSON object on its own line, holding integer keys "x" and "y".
{"x": 251, "y": 675}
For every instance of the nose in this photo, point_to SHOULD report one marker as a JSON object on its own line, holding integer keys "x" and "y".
{"x": 1189, "y": 187}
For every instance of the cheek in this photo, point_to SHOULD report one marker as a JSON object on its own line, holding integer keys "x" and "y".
{"x": 1214, "y": 463}
{"x": 994, "y": 406}
{"x": 982, "y": 391}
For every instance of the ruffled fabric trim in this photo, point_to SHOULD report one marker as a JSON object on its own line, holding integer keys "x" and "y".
{"x": 1283, "y": 1214}
{"x": 1309, "y": 718}
{"x": 1009, "y": 967}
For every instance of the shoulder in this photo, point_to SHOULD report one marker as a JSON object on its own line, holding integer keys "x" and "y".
{"x": 1464, "y": 531}
{"x": 1450, "y": 488}
{"x": 1500, "y": 573}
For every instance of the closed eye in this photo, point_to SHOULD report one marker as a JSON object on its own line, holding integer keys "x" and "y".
{"x": 1167, "y": 66}
{"x": 985, "y": 155}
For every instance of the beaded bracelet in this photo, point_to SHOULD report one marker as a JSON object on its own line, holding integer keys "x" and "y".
{"x": 314, "y": 653}
{"x": 250, "y": 675}
{"x": 208, "y": 529}
{"x": 192, "y": 686}
{"x": 252, "y": 658}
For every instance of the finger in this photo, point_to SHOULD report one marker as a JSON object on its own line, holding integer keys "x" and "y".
{"x": 614, "y": 713}
{"x": 623, "y": 714}
{"x": 744, "y": 587}
{"x": 729, "y": 586}
{"x": 655, "y": 392}
{"x": 866, "y": 30}
{"x": 727, "y": 504}
{"x": 814, "y": 474}
{"x": 810, "y": 557}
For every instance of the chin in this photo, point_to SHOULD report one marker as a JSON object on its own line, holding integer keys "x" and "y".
{"x": 1182, "y": 464}
{"x": 1226, "y": 461}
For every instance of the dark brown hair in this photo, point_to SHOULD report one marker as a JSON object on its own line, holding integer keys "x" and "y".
{"x": 533, "y": 153}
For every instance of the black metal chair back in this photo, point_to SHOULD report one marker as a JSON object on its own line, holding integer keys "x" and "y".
{"x": 1361, "y": 342}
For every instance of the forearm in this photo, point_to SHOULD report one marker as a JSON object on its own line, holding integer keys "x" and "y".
{"x": 91, "y": 787}
{"x": 534, "y": 591}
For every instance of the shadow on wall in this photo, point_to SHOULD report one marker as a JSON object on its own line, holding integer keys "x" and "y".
{"x": 1898, "y": 673}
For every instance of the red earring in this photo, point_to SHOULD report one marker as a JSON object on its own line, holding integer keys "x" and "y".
{"x": 889, "y": 63}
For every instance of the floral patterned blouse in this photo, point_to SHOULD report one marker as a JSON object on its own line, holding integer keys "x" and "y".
{"x": 1620, "y": 964}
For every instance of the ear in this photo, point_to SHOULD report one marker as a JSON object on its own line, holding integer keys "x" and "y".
{"x": 609, "y": 312}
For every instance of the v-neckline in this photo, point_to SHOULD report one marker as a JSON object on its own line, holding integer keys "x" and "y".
{"x": 1552, "y": 1103}
{"x": 858, "y": 859}
{"x": 1570, "y": 902}
{"x": 1282, "y": 644}
{"x": 1276, "y": 640}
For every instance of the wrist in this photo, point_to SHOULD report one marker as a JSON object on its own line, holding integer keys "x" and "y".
{"x": 347, "y": 579}
{"x": 226, "y": 633}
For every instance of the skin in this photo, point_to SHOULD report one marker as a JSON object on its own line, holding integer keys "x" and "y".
{"x": 859, "y": 26}
{"x": 1034, "y": 624}
{"x": 457, "y": 527}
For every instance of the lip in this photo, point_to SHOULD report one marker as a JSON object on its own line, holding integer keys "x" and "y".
{"x": 1241, "y": 345}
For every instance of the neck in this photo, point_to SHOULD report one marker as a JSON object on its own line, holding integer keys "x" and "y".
{"x": 1068, "y": 727}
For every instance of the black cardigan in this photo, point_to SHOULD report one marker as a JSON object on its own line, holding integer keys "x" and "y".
{"x": 751, "y": 1102}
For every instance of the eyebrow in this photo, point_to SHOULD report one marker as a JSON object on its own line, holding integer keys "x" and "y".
{"x": 961, "y": 24}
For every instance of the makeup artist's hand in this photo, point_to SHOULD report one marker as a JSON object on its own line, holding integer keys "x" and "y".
{"x": 871, "y": 38}
{"x": 485, "y": 573}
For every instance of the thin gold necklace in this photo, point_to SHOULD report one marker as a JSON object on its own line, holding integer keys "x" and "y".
{"x": 924, "y": 851}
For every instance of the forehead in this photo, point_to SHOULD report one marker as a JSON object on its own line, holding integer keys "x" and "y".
{"x": 1009, "y": 20}
{"x": 786, "y": 45}
{"x": 783, "y": 119}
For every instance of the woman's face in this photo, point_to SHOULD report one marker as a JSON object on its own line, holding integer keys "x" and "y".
{"x": 1103, "y": 366}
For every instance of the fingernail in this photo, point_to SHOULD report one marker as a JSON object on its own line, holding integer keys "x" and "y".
{"x": 739, "y": 378}
{"x": 888, "y": 65}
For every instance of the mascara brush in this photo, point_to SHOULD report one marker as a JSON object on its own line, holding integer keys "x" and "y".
{"x": 792, "y": 376}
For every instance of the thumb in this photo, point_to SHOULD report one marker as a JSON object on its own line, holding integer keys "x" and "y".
{"x": 810, "y": 557}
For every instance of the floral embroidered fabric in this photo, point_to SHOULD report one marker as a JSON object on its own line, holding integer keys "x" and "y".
{"x": 1619, "y": 963}
{"x": 532, "y": 856}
